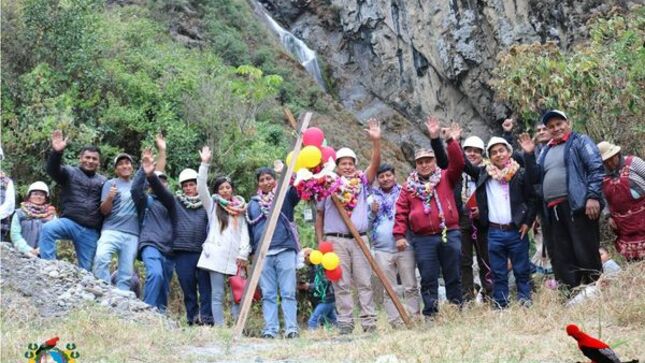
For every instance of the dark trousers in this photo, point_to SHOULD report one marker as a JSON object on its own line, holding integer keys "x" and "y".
{"x": 190, "y": 277}
{"x": 431, "y": 254}
{"x": 502, "y": 246}
{"x": 480, "y": 245}
{"x": 572, "y": 242}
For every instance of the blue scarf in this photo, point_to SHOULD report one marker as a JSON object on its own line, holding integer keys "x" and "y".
{"x": 386, "y": 205}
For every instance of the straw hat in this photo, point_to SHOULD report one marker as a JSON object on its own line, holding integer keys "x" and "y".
{"x": 607, "y": 150}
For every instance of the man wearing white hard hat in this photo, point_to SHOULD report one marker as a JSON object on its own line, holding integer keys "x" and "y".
{"x": 190, "y": 222}
{"x": 624, "y": 190}
{"x": 29, "y": 219}
{"x": 506, "y": 202}
{"x": 473, "y": 234}
{"x": 330, "y": 226}
{"x": 120, "y": 231}
{"x": 570, "y": 171}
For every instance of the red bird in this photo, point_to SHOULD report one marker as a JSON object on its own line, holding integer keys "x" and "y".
{"x": 47, "y": 345}
{"x": 593, "y": 348}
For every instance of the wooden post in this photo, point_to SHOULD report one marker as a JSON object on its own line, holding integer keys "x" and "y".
{"x": 265, "y": 241}
{"x": 375, "y": 267}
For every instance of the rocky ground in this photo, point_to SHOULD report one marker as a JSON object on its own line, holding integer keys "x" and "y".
{"x": 57, "y": 287}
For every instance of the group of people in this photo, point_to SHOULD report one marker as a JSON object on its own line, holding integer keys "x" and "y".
{"x": 460, "y": 198}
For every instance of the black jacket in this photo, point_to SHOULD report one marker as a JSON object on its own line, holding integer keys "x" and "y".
{"x": 156, "y": 227}
{"x": 190, "y": 225}
{"x": 81, "y": 192}
{"x": 522, "y": 194}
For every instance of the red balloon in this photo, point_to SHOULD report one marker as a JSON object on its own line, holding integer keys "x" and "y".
{"x": 325, "y": 246}
{"x": 328, "y": 152}
{"x": 313, "y": 136}
{"x": 335, "y": 274}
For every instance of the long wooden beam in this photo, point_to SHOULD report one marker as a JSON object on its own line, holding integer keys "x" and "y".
{"x": 370, "y": 259}
{"x": 267, "y": 235}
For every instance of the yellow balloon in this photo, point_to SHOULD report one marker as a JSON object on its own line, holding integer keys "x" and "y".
{"x": 309, "y": 157}
{"x": 298, "y": 165}
{"x": 288, "y": 159}
{"x": 315, "y": 257}
{"x": 330, "y": 261}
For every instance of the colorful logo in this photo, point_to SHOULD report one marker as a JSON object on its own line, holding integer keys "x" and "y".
{"x": 47, "y": 352}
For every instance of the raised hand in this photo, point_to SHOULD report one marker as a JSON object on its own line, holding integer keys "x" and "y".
{"x": 206, "y": 154}
{"x": 160, "y": 141}
{"x": 508, "y": 125}
{"x": 278, "y": 166}
{"x": 454, "y": 132}
{"x": 434, "y": 129}
{"x": 526, "y": 143}
{"x": 58, "y": 142}
{"x": 373, "y": 129}
{"x": 147, "y": 162}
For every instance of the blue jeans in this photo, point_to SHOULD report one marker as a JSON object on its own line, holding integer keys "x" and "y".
{"x": 190, "y": 277}
{"x": 158, "y": 275}
{"x": 279, "y": 272}
{"x": 432, "y": 254}
{"x": 125, "y": 245}
{"x": 324, "y": 313}
{"x": 503, "y": 245}
{"x": 218, "y": 290}
{"x": 84, "y": 239}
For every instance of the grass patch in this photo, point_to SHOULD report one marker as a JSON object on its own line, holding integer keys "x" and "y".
{"x": 474, "y": 334}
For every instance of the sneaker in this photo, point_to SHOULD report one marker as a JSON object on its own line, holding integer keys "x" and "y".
{"x": 292, "y": 335}
{"x": 267, "y": 336}
{"x": 345, "y": 329}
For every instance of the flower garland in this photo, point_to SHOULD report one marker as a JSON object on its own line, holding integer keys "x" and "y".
{"x": 189, "y": 202}
{"x": 502, "y": 175}
{"x": 425, "y": 191}
{"x": 37, "y": 211}
{"x": 386, "y": 202}
{"x": 265, "y": 200}
{"x": 233, "y": 207}
{"x": 347, "y": 190}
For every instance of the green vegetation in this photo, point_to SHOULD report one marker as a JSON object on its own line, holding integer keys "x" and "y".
{"x": 599, "y": 83}
{"x": 114, "y": 76}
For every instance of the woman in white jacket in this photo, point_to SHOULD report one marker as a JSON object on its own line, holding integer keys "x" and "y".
{"x": 227, "y": 247}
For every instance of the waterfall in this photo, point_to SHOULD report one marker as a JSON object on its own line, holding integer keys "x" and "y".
{"x": 296, "y": 47}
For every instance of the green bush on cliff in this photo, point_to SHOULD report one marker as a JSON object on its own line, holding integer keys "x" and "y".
{"x": 599, "y": 83}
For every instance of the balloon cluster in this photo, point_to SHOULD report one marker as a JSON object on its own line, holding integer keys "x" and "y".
{"x": 326, "y": 256}
{"x": 315, "y": 157}
{"x": 314, "y": 153}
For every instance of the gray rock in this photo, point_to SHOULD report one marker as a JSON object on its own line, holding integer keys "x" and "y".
{"x": 398, "y": 59}
{"x": 67, "y": 286}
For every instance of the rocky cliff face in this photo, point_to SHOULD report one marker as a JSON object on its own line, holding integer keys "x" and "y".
{"x": 400, "y": 60}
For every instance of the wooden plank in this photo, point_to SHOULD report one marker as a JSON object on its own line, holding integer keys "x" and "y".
{"x": 265, "y": 241}
{"x": 370, "y": 259}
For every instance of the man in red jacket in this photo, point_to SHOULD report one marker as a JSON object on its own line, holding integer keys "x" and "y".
{"x": 426, "y": 212}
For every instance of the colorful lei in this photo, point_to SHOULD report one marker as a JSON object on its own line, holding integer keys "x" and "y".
{"x": 347, "y": 190}
{"x": 425, "y": 190}
{"x": 386, "y": 202}
{"x": 35, "y": 211}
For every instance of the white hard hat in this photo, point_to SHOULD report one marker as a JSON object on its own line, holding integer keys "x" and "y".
{"x": 187, "y": 174}
{"x": 346, "y": 152}
{"x": 498, "y": 140}
{"x": 38, "y": 186}
{"x": 474, "y": 141}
